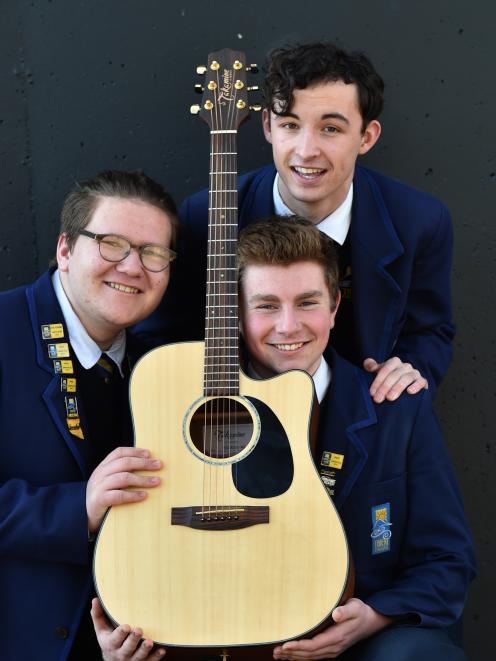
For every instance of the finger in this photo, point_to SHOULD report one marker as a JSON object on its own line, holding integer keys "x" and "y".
{"x": 146, "y": 651}
{"x": 129, "y": 464}
{"x": 347, "y": 611}
{"x": 412, "y": 379}
{"x": 418, "y": 385}
{"x": 122, "y": 497}
{"x": 127, "y": 480}
{"x": 100, "y": 622}
{"x": 392, "y": 381}
{"x": 126, "y": 645}
{"x": 125, "y": 451}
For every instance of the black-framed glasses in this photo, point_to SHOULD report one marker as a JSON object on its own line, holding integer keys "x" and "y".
{"x": 115, "y": 248}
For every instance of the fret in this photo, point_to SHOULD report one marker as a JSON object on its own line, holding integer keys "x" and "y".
{"x": 230, "y": 380}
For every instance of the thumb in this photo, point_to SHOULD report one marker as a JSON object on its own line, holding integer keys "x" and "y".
{"x": 370, "y": 365}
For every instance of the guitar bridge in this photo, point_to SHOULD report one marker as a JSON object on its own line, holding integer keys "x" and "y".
{"x": 220, "y": 517}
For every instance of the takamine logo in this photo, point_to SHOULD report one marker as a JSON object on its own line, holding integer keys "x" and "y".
{"x": 225, "y": 92}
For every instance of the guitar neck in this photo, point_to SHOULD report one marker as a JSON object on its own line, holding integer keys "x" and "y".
{"x": 224, "y": 108}
{"x": 221, "y": 370}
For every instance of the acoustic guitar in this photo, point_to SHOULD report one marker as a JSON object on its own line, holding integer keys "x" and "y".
{"x": 240, "y": 545}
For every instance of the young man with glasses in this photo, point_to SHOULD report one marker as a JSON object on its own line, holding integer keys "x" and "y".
{"x": 65, "y": 426}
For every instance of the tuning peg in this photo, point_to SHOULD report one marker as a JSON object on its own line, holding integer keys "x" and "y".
{"x": 194, "y": 110}
{"x": 253, "y": 88}
{"x": 201, "y": 69}
{"x": 253, "y": 68}
{"x": 199, "y": 89}
{"x": 256, "y": 107}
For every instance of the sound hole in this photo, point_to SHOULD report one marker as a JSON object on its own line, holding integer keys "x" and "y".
{"x": 221, "y": 427}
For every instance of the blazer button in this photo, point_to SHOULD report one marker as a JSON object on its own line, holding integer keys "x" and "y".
{"x": 62, "y": 632}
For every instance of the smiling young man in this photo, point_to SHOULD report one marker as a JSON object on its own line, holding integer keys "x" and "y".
{"x": 395, "y": 243}
{"x": 65, "y": 427}
{"x": 413, "y": 561}
{"x": 384, "y": 465}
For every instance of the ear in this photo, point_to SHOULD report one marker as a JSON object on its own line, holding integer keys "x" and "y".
{"x": 63, "y": 253}
{"x": 266, "y": 124}
{"x": 370, "y": 136}
{"x": 334, "y": 309}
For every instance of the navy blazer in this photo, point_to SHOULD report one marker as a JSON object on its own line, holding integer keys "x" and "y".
{"x": 45, "y": 572}
{"x": 394, "y": 454}
{"x": 401, "y": 251}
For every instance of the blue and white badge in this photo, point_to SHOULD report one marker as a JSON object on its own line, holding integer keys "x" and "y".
{"x": 381, "y": 528}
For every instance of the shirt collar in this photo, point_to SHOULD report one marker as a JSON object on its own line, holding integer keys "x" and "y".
{"x": 86, "y": 349}
{"x": 321, "y": 378}
{"x": 336, "y": 225}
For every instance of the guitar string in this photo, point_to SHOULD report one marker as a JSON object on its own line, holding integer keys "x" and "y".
{"x": 213, "y": 273}
{"x": 207, "y": 427}
{"x": 229, "y": 231}
{"x": 222, "y": 161}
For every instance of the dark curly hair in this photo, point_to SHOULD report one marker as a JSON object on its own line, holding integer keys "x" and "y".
{"x": 304, "y": 65}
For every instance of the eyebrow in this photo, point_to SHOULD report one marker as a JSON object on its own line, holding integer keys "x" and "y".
{"x": 315, "y": 293}
{"x": 327, "y": 115}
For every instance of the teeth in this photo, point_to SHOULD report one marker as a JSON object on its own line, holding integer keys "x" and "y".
{"x": 289, "y": 347}
{"x": 301, "y": 170}
{"x": 124, "y": 288}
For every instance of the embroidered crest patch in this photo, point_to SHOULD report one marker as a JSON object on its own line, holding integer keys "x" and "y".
{"x": 381, "y": 528}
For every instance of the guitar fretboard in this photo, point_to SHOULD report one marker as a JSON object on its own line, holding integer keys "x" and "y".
{"x": 221, "y": 367}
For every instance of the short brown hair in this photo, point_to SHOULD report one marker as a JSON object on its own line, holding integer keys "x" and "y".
{"x": 82, "y": 200}
{"x": 283, "y": 240}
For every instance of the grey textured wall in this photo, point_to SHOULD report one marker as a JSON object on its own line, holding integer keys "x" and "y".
{"x": 93, "y": 84}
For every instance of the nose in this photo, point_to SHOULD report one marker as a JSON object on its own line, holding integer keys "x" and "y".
{"x": 287, "y": 322}
{"x": 308, "y": 145}
{"x": 131, "y": 264}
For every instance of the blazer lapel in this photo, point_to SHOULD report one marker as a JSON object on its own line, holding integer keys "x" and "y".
{"x": 44, "y": 310}
{"x": 374, "y": 246}
{"x": 346, "y": 410}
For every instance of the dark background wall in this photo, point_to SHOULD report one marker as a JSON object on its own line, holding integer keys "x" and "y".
{"x": 94, "y": 84}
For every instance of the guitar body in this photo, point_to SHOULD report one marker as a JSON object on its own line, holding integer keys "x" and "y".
{"x": 227, "y": 569}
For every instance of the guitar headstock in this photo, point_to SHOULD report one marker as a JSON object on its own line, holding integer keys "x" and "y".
{"x": 224, "y": 104}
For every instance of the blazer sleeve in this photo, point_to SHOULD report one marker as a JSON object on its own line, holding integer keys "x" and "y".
{"x": 436, "y": 562}
{"x": 45, "y": 523}
{"x": 426, "y": 336}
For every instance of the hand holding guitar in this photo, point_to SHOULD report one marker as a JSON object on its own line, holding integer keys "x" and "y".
{"x": 115, "y": 481}
{"x": 353, "y": 621}
{"x": 123, "y": 643}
